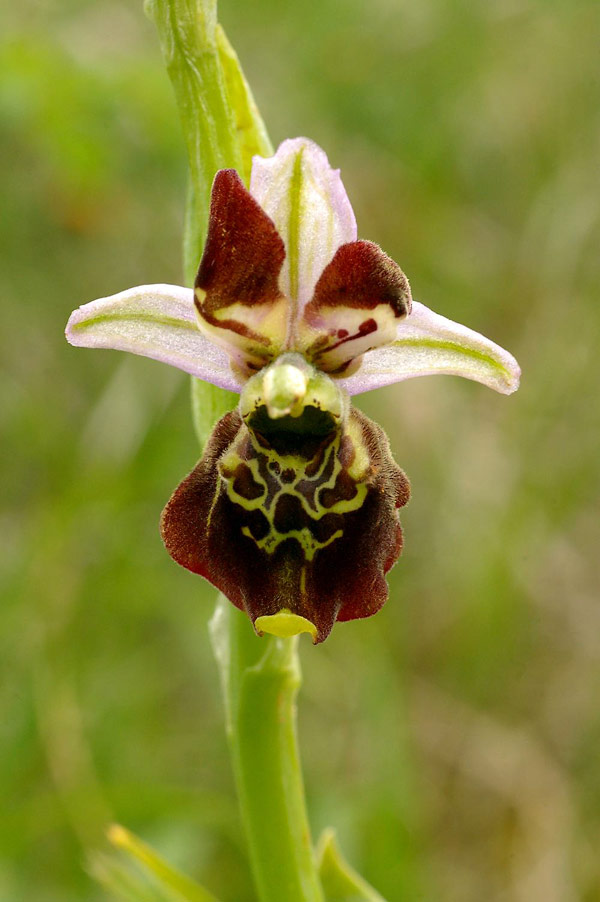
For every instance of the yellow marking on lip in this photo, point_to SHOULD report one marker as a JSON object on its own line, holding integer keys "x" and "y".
{"x": 274, "y": 538}
{"x": 214, "y": 501}
{"x": 308, "y": 543}
{"x": 273, "y": 488}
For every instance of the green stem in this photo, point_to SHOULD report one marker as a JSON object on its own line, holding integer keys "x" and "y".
{"x": 223, "y": 129}
{"x": 260, "y": 680}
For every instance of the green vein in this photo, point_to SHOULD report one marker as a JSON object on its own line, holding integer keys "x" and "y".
{"x": 294, "y": 224}
{"x": 171, "y": 321}
{"x": 438, "y": 344}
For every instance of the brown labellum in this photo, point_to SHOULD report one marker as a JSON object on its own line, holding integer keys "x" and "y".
{"x": 289, "y": 519}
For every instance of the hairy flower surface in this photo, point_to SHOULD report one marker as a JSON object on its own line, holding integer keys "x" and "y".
{"x": 292, "y": 511}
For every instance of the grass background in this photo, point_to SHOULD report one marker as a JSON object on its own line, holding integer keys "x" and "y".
{"x": 454, "y": 739}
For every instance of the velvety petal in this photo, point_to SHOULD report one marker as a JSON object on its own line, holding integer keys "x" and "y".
{"x": 358, "y": 301}
{"x": 428, "y": 344}
{"x": 237, "y": 292}
{"x": 289, "y": 521}
{"x": 157, "y": 321}
{"x": 307, "y": 201}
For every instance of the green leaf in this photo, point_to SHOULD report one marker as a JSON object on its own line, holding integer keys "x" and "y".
{"x": 341, "y": 882}
{"x": 172, "y": 884}
{"x": 121, "y": 883}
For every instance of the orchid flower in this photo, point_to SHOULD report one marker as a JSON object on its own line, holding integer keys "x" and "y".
{"x": 293, "y": 507}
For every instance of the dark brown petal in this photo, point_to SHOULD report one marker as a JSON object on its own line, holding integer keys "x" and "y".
{"x": 358, "y": 301}
{"x": 237, "y": 290}
{"x": 318, "y": 544}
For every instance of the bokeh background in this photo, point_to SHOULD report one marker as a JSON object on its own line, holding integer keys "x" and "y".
{"x": 454, "y": 739}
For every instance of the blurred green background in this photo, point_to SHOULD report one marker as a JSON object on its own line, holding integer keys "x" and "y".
{"x": 454, "y": 739}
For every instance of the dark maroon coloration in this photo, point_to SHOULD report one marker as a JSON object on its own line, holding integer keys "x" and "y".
{"x": 202, "y": 526}
{"x": 242, "y": 257}
{"x": 361, "y": 276}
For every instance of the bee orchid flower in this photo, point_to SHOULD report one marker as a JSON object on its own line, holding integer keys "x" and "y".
{"x": 292, "y": 511}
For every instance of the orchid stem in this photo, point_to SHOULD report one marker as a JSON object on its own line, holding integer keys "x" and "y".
{"x": 260, "y": 682}
{"x": 222, "y": 129}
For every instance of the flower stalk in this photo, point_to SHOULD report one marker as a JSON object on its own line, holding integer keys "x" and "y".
{"x": 260, "y": 678}
{"x": 260, "y": 681}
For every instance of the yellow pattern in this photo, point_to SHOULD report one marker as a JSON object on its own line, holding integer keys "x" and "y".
{"x": 309, "y": 543}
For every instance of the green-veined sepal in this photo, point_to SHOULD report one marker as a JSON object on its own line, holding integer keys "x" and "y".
{"x": 427, "y": 344}
{"x": 308, "y": 204}
{"x": 157, "y": 321}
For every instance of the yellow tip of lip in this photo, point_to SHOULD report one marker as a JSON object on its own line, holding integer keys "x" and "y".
{"x": 284, "y": 624}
